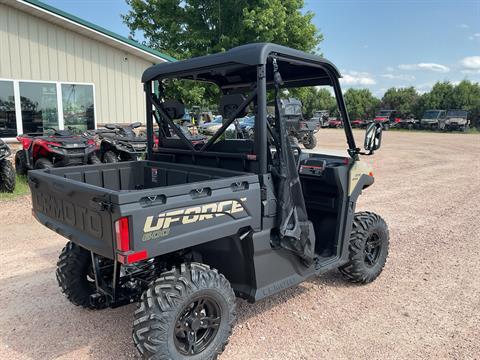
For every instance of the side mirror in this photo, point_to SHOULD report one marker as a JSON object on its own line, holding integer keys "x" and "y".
{"x": 373, "y": 137}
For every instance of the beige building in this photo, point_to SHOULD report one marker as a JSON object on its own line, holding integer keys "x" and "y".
{"x": 57, "y": 70}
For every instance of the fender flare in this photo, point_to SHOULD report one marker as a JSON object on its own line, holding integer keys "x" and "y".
{"x": 364, "y": 182}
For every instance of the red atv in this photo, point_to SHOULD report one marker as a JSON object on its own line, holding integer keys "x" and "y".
{"x": 335, "y": 122}
{"x": 359, "y": 123}
{"x": 56, "y": 148}
{"x": 387, "y": 118}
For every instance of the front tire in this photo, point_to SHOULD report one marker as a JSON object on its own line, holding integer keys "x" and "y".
{"x": 7, "y": 176}
{"x": 43, "y": 163}
{"x": 94, "y": 160}
{"x": 368, "y": 248}
{"x": 110, "y": 157}
{"x": 75, "y": 275}
{"x": 310, "y": 142}
{"x": 21, "y": 166}
{"x": 187, "y": 313}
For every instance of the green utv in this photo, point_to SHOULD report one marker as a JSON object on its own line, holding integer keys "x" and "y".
{"x": 187, "y": 230}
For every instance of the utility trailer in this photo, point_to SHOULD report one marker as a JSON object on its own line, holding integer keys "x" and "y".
{"x": 189, "y": 228}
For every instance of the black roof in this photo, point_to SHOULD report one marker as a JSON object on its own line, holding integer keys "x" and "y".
{"x": 237, "y": 66}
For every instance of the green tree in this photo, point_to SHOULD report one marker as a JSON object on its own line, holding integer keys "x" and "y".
{"x": 440, "y": 97}
{"x": 466, "y": 96}
{"x": 188, "y": 28}
{"x": 314, "y": 99}
{"x": 361, "y": 103}
{"x": 404, "y": 100}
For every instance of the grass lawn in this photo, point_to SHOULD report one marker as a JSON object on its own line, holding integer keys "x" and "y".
{"x": 21, "y": 188}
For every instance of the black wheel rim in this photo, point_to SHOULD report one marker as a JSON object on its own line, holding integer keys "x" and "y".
{"x": 373, "y": 248}
{"x": 197, "y": 325}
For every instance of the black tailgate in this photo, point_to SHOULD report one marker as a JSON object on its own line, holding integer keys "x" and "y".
{"x": 74, "y": 210}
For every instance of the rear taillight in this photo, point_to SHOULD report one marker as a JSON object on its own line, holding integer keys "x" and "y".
{"x": 122, "y": 234}
{"x": 133, "y": 257}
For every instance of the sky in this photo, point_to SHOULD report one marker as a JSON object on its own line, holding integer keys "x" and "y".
{"x": 376, "y": 44}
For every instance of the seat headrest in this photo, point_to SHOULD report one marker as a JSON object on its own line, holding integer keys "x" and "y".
{"x": 230, "y": 103}
{"x": 174, "y": 109}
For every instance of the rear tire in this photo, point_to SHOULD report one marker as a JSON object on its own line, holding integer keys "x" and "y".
{"x": 311, "y": 141}
{"x": 21, "y": 167}
{"x": 110, "y": 157}
{"x": 190, "y": 304}
{"x": 368, "y": 248}
{"x": 75, "y": 275}
{"x": 43, "y": 163}
{"x": 7, "y": 176}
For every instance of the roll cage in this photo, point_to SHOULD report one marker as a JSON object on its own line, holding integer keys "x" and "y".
{"x": 246, "y": 69}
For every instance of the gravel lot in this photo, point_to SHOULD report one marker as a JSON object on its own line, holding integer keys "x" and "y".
{"x": 426, "y": 304}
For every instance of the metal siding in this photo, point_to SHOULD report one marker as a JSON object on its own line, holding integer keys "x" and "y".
{"x": 13, "y": 43}
{"x": 43, "y": 51}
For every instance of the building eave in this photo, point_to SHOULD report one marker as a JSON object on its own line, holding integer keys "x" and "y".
{"x": 88, "y": 29}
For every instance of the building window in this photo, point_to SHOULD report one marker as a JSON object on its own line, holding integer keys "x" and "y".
{"x": 39, "y": 106}
{"x": 78, "y": 106}
{"x": 8, "y": 122}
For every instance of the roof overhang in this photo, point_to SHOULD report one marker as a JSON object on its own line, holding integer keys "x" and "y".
{"x": 85, "y": 28}
{"x": 237, "y": 67}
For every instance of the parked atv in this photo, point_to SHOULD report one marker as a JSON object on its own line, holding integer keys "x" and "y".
{"x": 56, "y": 148}
{"x": 7, "y": 173}
{"x": 455, "y": 120}
{"x": 299, "y": 128}
{"x": 121, "y": 143}
{"x": 335, "y": 123}
{"x": 359, "y": 123}
{"x": 322, "y": 117}
{"x": 408, "y": 122}
{"x": 387, "y": 118}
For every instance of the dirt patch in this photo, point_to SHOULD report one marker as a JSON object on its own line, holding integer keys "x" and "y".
{"x": 424, "y": 305}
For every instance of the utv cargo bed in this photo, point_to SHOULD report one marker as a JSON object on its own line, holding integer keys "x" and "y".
{"x": 167, "y": 202}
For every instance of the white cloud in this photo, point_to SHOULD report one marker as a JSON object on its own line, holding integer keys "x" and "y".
{"x": 424, "y": 88}
{"x": 463, "y": 26}
{"x": 474, "y": 36}
{"x": 399, "y": 77}
{"x": 471, "y": 62}
{"x": 425, "y": 66}
{"x": 390, "y": 68}
{"x": 357, "y": 78}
